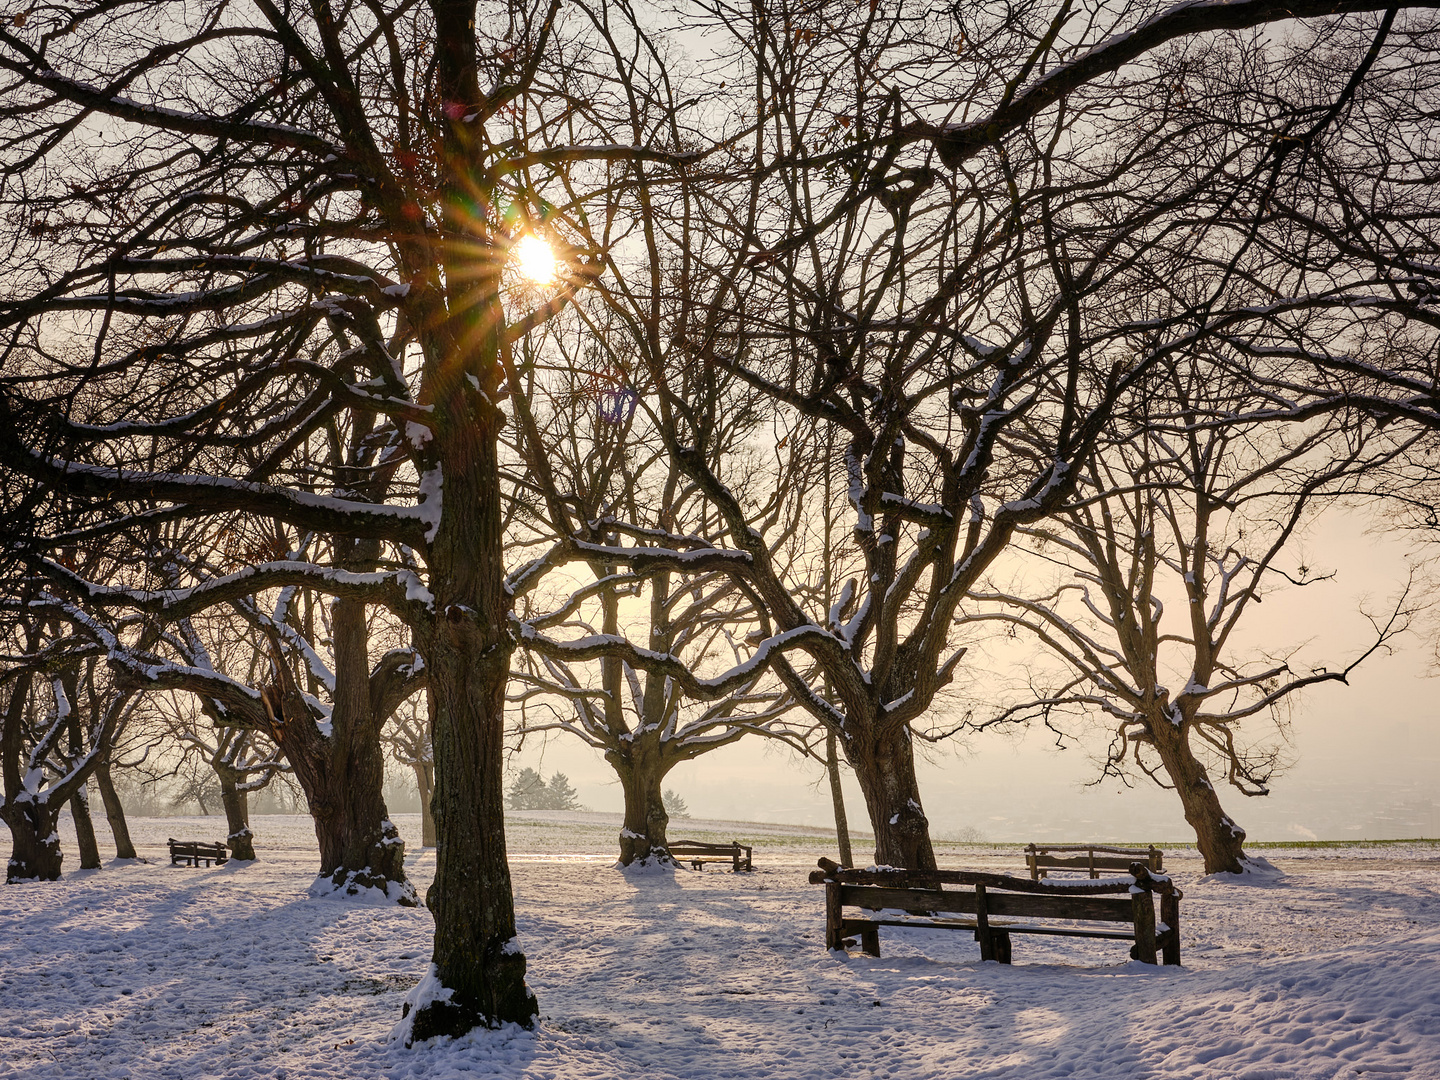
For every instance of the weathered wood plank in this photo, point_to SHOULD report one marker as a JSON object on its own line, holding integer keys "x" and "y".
{"x": 993, "y": 895}
{"x": 1100, "y": 908}
{"x": 854, "y": 926}
{"x": 1170, "y": 916}
{"x": 933, "y": 879}
{"x": 982, "y": 925}
{"x": 834, "y": 922}
{"x": 1144, "y": 905}
{"x": 1081, "y": 862}
{"x": 698, "y": 852}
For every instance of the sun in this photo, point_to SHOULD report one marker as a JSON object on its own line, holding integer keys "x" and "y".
{"x": 535, "y": 259}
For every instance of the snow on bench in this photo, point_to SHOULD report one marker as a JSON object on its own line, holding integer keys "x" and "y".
{"x": 919, "y": 898}
{"x": 193, "y": 852}
{"x": 697, "y": 853}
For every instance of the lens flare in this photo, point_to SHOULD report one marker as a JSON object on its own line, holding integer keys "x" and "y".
{"x": 535, "y": 259}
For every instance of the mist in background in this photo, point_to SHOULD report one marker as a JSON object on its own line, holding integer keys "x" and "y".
{"x": 1366, "y": 755}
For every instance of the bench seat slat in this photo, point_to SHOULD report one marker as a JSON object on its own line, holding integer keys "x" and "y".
{"x": 1098, "y": 908}
{"x": 855, "y": 926}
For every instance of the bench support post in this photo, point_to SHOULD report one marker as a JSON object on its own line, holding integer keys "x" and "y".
{"x": 1170, "y": 916}
{"x": 870, "y": 941}
{"x": 982, "y": 925}
{"x": 1144, "y": 907}
{"x": 834, "y": 924}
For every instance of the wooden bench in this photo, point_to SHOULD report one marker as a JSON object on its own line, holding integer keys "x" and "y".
{"x": 194, "y": 852}
{"x": 921, "y": 898}
{"x": 1083, "y": 857}
{"x": 697, "y": 853}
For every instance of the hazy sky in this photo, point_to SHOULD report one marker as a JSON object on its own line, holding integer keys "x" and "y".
{"x": 1367, "y": 754}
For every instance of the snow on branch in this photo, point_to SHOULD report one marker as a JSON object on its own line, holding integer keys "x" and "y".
{"x": 401, "y": 590}
{"x": 596, "y": 646}
{"x": 323, "y": 513}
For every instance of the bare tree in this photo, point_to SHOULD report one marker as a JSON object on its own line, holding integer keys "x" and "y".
{"x": 306, "y": 214}
{"x": 61, "y": 715}
{"x": 309, "y": 212}
{"x": 238, "y": 759}
{"x": 408, "y": 737}
{"x": 963, "y": 304}
{"x": 1199, "y": 516}
{"x": 599, "y": 474}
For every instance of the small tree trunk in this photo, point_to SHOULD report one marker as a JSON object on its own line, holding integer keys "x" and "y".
{"x": 837, "y": 796}
{"x": 85, "y": 830}
{"x": 241, "y": 840}
{"x": 35, "y": 853}
{"x": 114, "y": 812}
{"x": 1220, "y": 840}
{"x": 885, "y": 766}
{"x": 425, "y": 781}
{"x": 642, "y": 775}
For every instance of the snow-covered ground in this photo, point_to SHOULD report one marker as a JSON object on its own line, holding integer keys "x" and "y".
{"x": 1331, "y": 969}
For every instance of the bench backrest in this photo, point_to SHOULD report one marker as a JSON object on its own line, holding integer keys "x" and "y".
{"x": 197, "y": 849}
{"x": 701, "y": 847}
{"x": 1092, "y": 858}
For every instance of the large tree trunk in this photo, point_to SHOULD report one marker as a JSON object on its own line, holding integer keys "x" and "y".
{"x": 114, "y": 812}
{"x": 425, "y": 781}
{"x": 85, "y": 830}
{"x": 642, "y": 772}
{"x": 342, "y": 771}
{"x": 241, "y": 840}
{"x": 35, "y": 853}
{"x": 1220, "y": 840}
{"x": 884, "y": 763}
{"x": 359, "y": 847}
{"x": 476, "y": 957}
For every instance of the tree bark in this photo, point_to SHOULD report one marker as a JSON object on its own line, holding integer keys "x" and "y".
{"x": 642, "y": 774}
{"x": 35, "y": 853}
{"x": 85, "y": 830}
{"x": 884, "y": 764}
{"x": 359, "y": 847}
{"x": 80, "y": 801}
{"x": 476, "y": 956}
{"x": 342, "y": 773}
{"x": 114, "y": 811}
{"x": 241, "y": 841}
{"x": 837, "y": 797}
{"x": 1220, "y": 840}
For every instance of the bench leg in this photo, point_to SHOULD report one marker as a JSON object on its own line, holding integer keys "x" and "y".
{"x": 834, "y": 924}
{"x": 1143, "y": 905}
{"x": 1003, "y": 950}
{"x": 870, "y": 941}
{"x": 982, "y": 926}
{"x": 1170, "y": 941}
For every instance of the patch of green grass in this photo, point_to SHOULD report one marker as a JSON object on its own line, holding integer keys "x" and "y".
{"x": 1320, "y": 844}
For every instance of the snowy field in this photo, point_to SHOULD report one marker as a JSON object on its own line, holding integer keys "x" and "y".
{"x": 1329, "y": 969}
